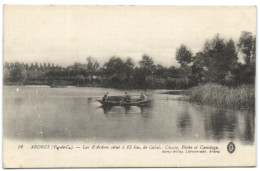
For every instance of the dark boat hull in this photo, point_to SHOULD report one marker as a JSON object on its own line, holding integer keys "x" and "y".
{"x": 135, "y": 103}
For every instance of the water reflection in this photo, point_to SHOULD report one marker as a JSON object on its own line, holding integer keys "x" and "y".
{"x": 90, "y": 99}
{"x": 184, "y": 122}
{"x": 221, "y": 124}
{"x": 229, "y": 125}
{"x": 106, "y": 109}
{"x": 145, "y": 111}
{"x": 66, "y": 114}
{"x": 248, "y": 133}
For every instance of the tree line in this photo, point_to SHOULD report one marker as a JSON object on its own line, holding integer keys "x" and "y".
{"x": 217, "y": 62}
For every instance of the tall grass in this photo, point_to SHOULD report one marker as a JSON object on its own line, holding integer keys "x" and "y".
{"x": 242, "y": 97}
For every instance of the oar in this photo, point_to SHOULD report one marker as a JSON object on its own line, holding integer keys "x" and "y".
{"x": 121, "y": 101}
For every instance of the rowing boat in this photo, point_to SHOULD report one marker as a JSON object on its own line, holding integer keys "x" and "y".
{"x": 132, "y": 103}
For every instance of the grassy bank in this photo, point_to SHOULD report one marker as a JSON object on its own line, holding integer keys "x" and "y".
{"x": 242, "y": 97}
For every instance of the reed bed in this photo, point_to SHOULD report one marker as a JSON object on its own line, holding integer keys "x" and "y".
{"x": 242, "y": 97}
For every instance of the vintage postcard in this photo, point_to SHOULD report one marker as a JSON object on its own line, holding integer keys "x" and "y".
{"x": 129, "y": 86}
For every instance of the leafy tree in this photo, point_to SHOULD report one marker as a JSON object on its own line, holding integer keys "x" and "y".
{"x": 245, "y": 73}
{"x": 247, "y": 44}
{"x": 36, "y": 66}
{"x": 129, "y": 63}
{"x": 115, "y": 65}
{"x": 254, "y": 50}
{"x": 49, "y": 66}
{"x": 7, "y": 65}
{"x": 183, "y": 55}
{"x": 146, "y": 62}
{"x": 32, "y": 67}
{"x": 159, "y": 70}
{"x": 18, "y": 73}
{"x": 197, "y": 68}
{"x": 115, "y": 70}
{"x": 6, "y": 75}
{"x": 93, "y": 65}
{"x": 80, "y": 80}
{"x": 231, "y": 53}
{"x": 173, "y": 71}
{"x": 219, "y": 58}
{"x": 41, "y": 67}
{"x": 146, "y": 70}
{"x": 129, "y": 67}
{"x": 147, "y": 65}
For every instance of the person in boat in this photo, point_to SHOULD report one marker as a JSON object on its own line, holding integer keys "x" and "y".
{"x": 142, "y": 97}
{"x": 105, "y": 97}
{"x": 127, "y": 98}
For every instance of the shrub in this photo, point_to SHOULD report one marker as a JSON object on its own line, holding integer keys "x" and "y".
{"x": 242, "y": 97}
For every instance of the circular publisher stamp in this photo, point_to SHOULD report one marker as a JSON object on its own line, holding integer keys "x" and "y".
{"x": 231, "y": 147}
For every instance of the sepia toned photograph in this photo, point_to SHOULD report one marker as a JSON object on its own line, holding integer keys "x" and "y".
{"x": 128, "y": 86}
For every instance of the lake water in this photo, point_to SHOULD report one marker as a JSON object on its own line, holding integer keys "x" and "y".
{"x": 72, "y": 113}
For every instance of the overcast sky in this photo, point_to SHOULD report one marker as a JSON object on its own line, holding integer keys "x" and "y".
{"x": 67, "y": 34}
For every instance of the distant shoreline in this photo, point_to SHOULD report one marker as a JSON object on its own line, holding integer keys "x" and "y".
{"x": 174, "y": 92}
{"x": 164, "y": 91}
{"x": 167, "y": 91}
